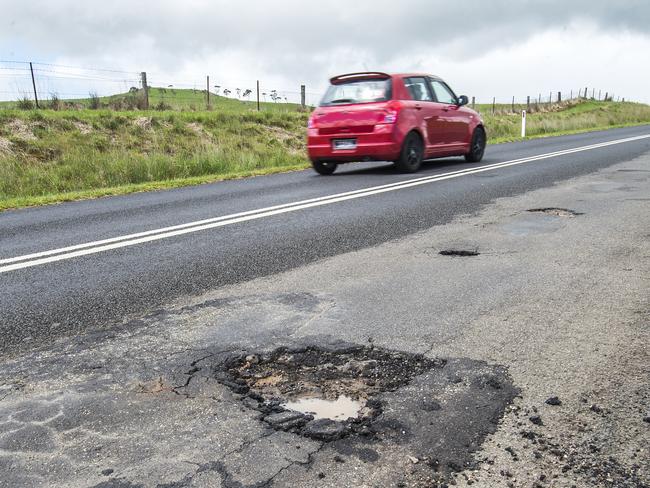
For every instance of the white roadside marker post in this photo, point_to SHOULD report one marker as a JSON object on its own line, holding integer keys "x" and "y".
{"x": 523, "y": 123}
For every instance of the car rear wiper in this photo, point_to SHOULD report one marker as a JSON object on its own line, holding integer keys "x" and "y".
{"x": 342, "y": 100}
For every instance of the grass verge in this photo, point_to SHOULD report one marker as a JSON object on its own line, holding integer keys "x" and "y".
{"x": 56, "y": 156}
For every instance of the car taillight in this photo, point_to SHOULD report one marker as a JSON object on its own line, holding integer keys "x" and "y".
{"x": 390, "y": 117}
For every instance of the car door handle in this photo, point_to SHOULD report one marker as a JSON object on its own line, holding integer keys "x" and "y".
{"x": 418, "y": 106}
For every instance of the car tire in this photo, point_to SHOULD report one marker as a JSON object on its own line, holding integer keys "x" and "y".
{"x": 412, "y": 154}
{"x": 324, "y": 168}
{"x": 477, "y": 146}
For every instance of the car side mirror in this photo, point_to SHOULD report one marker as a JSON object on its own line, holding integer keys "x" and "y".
{"x": 462, "y": 100}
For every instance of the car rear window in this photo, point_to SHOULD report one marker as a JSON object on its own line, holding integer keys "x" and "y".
{"x": 357, "y": 91}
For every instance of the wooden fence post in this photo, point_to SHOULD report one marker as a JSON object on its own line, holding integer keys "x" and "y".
{"x": 258, "y": 95}
{"x": 31, "y": 68}
{"x": 207, "y": 91}
{"x": 303, "y": 96}
{"x": 145, "y": 89}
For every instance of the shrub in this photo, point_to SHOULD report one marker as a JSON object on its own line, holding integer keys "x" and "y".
{"x": 94, "y": 103}
{"x": 55, "y": 101}
{"x": 161, "y": 105}
{"x": 25, "y": 103}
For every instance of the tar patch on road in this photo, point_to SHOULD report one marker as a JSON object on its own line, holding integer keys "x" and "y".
{"x": 421, "y": 418}
{"x": 556, "y": 211}
{"x": 463, "y": 253}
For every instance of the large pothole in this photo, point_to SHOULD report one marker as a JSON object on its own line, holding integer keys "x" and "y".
{"x": 418, "y": 419}
{"x": 319, "y": 393}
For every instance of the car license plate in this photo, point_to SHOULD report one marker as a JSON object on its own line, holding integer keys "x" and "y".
{"x": 344, "y": 144}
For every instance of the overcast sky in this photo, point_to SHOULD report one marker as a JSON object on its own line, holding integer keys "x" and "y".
{"x": 483, "y": 48}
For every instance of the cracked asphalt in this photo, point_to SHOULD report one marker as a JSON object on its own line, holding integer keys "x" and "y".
{"x": 542, "y": 337}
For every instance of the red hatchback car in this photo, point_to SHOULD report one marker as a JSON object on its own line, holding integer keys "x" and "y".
{"x": 404, "y": 118}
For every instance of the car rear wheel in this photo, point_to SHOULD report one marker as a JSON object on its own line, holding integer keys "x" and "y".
{"x": 477, "y": 147}
{"x": 412, "y": 154}
{"x": 324, "y": 167}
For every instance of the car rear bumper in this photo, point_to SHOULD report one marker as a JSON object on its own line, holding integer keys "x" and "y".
{"x": 379, "y": 145}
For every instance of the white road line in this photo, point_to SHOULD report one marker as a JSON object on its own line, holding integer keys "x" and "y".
{"x": 50, "y": 256}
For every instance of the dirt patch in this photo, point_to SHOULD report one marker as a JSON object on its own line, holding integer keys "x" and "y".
{"x": 281, "y": 134}
{"x": 143, "y": 122}
{"x": 556, "y": 212}
{"x": 5, "y": 146}
{"x": 82, "y": 127}
{"x": 199, "y": 130}
{"x": 21, "y": 130}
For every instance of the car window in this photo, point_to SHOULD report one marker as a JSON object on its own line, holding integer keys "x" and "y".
{"x": 419, "y": 89}
{"x": 357, "y": 91}
{"x": 443, "y": 94}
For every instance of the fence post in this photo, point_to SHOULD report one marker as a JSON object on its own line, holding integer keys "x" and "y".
{"x": 513, "y": 104}
{"x": 494, "y": 105}
{"x": 473, "y": 100}
{"x": 550, "y": 98}
{"x": 207, "y": 91}
{"x": 606, "y": 93}
{"x": 31, "y": 68}
{"x": 528, "y": 103}
{"x": 559, "y": 97}
{"x": 303, "y": 96}
{"x": 523, "y": 123}
{"x": 585, "y": 92}
{"x": 571, "y": 96}
{"x": 258, "y": 95}
{"x": 145, "y": 88}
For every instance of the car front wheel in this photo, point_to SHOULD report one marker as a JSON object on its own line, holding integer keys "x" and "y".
{"x": 324, "y": 167}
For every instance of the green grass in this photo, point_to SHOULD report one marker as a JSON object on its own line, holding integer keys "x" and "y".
{"x": 570, "y": 118}
{"x": 51, "y": 156}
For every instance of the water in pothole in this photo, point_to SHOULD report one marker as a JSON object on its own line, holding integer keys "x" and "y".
{"x": 342, "y": 408}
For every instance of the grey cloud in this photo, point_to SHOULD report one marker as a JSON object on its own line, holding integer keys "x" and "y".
{"x": 292, "y": 34}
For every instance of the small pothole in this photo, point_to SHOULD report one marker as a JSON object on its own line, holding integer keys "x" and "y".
{"x": 555, "y": 211}
{"x": 460, "y": 252}
{"x": 324, "y": 394}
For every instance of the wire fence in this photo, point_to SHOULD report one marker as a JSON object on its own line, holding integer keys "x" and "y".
{"x": 26, "y": 84}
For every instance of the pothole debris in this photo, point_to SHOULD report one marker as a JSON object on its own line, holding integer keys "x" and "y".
{"x": 460, "y": 252}
{"x": 555, "y": 211}
{"x": 324, "y": 394}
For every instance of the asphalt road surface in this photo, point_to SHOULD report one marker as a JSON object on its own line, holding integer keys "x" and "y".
{"x": 53, "y": 299}
{"x": 492, "y": 321}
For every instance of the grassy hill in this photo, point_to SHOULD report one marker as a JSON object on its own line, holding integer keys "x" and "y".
{"x": 50, "y": 156}
{"x": 159, "y": 99}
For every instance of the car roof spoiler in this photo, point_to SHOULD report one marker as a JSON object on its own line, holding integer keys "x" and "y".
{"x": 369, "y": 75}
